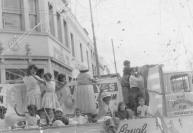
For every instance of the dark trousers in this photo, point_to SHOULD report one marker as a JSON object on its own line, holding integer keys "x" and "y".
{"x": 125, "y": 92}
{"x": 134, "y": 93}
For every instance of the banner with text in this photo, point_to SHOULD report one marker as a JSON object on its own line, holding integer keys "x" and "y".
{"x": 139, "y": 126}
{"x": 179, "y": 104}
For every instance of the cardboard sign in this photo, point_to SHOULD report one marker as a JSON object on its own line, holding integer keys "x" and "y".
{"x": 111, "y": 86}
{"x": 179, "y": 104}
{"x": 138, "y": 126}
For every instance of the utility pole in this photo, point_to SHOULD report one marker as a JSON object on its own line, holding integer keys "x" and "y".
{"x": 115, "y": 63}
{"x": 94, "y": 40}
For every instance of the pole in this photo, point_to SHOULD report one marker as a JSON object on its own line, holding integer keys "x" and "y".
{"x": 94, "y": 39}
{"x": 114, "y": 56}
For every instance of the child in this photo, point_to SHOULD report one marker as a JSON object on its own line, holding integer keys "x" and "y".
{"x": 142, "y": 109}
{"x": 32, "y": 118}
{"x": 122, "y": 113}
{"x": 79, "y": 118}
{"x": 49, "y": 98}
{"x": 105, "y": 111}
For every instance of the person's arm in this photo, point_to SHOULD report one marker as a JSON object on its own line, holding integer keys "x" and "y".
{"x": 138, "y": 112}
{"x": 16, "y": 82}
{"x": 15, "y": 108}
{"x": 39, "y": 80}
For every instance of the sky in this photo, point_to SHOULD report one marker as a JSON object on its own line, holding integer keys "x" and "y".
{"x": 143, "y": 31}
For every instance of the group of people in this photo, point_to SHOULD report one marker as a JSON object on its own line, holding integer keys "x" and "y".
{"x": 135, "y": 94}
{"x": 44, "y": 104}
{"x": 44, "y": 100}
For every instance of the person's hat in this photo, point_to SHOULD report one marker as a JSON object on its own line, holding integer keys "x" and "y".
{"x": 59, "y": 109}
{"x": 105, "y": 95}
{"x": 83, "y": 68}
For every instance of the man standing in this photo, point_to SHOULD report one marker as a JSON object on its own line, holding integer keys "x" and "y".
{"x": 125, "y": 80}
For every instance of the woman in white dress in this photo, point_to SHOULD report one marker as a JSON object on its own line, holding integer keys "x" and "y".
{"x": 33, "y": 88}
{"x": 49, "y": 98}
{"x": 85, "y": 97}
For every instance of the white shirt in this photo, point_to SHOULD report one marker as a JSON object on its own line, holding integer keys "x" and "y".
{"x": 142, "y": 111}
{"x": 31, "y": 84}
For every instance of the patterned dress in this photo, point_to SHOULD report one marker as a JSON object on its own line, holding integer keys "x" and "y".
{"x": 50, "y": 99}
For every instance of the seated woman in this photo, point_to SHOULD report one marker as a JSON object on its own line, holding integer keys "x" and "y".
{"x": 123, "y": 113}
{"x": 105, "y": 112}
{"x": 31, "y": 116}
{"x": 79, "y": 118}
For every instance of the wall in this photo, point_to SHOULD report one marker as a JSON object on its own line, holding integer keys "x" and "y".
{"x": 42, "y": 43}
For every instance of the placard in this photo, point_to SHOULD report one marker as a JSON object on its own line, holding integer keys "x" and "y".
{"x": 179, "y": 104}
{"x": 147, "y": 125}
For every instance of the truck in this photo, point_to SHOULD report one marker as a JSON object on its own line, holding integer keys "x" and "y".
{"x": 170, "y": 103}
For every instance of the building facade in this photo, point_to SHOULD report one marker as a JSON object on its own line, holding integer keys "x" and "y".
{"x": 45, "y": 33}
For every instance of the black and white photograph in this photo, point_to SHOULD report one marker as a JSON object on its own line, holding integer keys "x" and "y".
{"x": 96, "y": 66}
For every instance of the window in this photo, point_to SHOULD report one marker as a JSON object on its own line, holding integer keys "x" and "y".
{"x": 12, "y": 15}
{"x": 72, "y": 44}
{"x": 15, "y": 74}
{"x": 51, "y": 20}
{"x": 65, "y": 34}
{"x": 59, "y": 27}
{"x": 88, "y": 62}
{"x": 81, "y": 53}
{"x": 33, "y": 19}
{"x": 56, "y": 75}
{"x": 180, "y": 83}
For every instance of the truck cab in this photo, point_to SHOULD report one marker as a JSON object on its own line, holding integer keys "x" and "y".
{"x": 170, "y": 93}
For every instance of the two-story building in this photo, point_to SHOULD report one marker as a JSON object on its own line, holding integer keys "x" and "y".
{"x": 45, "y": 33}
